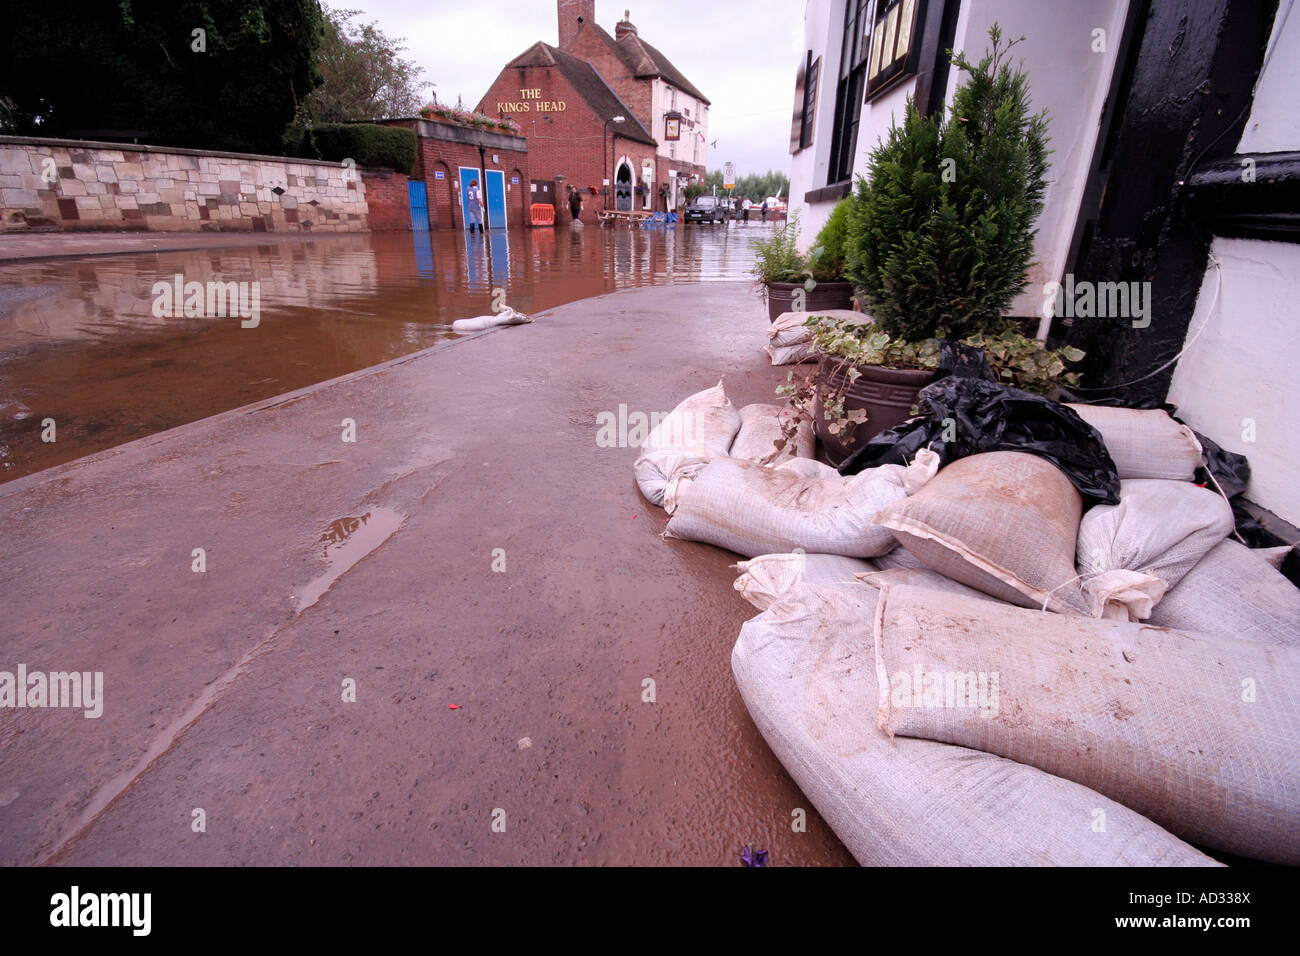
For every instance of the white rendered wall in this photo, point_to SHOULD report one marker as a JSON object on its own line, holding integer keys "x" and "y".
{"x": 1241, "y": 365}
{"x": 1071, "y": 81}
{"x": 1274, "y": 123}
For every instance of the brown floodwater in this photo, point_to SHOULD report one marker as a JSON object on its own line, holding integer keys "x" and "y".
{"x": 82, "y": 341}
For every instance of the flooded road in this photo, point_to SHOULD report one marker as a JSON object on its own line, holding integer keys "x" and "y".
{"x": 83, "y": 344}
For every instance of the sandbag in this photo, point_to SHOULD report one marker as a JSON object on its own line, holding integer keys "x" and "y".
{"x": 1144, "y": 443}
{"x": 790, "y": 341}
{"x": 751, "y": 509}
{"x": 760, "y": 430}
{"x": 699, "y": 429}
{"x": 1004, "y": 523}
{"x": 898, "y": 559}
{"x": 507, "y": 316}
{"x": 768, "y": 577}
{"x": 1233, "y": 592}
{"x": 1194, "y": 732}
{"x": 1132, "y": 552}
{"x": 805, "y": 668}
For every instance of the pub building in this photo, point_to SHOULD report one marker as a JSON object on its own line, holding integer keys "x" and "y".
{"x": 609, "y": 116}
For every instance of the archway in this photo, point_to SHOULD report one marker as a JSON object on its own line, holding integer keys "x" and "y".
{"x": 623, "y": 187}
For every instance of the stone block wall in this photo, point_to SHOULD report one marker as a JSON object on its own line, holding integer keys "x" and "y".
{"x": 51, "y": 184}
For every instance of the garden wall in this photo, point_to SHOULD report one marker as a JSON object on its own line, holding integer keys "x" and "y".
{"x": 75, "y": 185}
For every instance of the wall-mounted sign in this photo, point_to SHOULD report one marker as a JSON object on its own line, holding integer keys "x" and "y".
{"x": 515, "y": 180}
{"x": 530, "y": 101}
{"x": 439, "y": 174}
{"x": 672, "y": 127}
{"x": 894, "y": 52}
{"x": 496, "y": 158}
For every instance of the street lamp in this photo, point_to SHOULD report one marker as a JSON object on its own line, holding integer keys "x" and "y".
{"x": 604, "y": 130}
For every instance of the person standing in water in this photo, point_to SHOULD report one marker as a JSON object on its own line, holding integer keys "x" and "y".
{"x": 474, "y": 206}
{"x": 575, "y": 204}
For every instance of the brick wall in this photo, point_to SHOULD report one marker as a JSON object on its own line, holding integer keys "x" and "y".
{"x": 573, "y": 143}
{"x": 69, "y": 184}
{"x": 636, "y": 94}
{"x": 389, "y": 200}
{"x": 445, "y": 147}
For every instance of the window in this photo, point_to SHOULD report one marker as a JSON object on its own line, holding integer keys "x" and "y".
{"x": 851, "y": 81}
{"x": 805, "y": 102}
{"x": 894, "y": 46}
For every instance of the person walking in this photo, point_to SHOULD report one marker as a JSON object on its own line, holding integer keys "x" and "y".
{"x": 474, "y": 206}
{"x": 575, "y": 204}
{"x": 764, "y": 210}
{"x": 745, "y": 207}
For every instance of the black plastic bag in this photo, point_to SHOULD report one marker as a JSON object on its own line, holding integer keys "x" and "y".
{"x": 963, "y": 416}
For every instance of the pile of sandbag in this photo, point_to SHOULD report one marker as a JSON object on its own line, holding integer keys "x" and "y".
{"x": 805, "y": 667}
{"x": 707, "y": 426}
{"x": 790, "y": 341}
{"x": 964, "y": 663}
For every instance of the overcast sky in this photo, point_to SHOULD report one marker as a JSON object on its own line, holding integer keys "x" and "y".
{"x": 741, "y": 54}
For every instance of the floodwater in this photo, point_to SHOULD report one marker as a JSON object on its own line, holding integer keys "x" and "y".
{"x": 94, "y": 344}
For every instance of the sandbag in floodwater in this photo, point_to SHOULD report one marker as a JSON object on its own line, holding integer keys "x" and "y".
{"x": 507, "y": 316}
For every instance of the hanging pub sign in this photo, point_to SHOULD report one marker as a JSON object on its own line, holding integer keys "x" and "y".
{"x": 893, "y": 44}
{"x": 673, "y": 126}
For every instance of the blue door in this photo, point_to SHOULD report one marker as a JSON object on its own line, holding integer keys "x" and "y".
{"x": 419, "y": 196}
{"x": 467, "y": 175}
{"x": 496, "y": 199}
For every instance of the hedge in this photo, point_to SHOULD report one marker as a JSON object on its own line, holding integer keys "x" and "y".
{"x": 366, "y": 144}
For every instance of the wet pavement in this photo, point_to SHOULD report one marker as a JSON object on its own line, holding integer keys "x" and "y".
{"x": 82, "y": 342}
{"x": 512, "y": 697}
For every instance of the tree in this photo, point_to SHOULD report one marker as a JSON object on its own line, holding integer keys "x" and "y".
{"x": 754, "y": 187}
{"x": 365, "y": 76}
{"x": 215, "y": 74}
{"x": 942, "y": 226}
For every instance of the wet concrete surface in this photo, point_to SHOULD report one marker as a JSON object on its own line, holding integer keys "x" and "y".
{"x": 88, "y": 343}
{"x": 373, "y": 562}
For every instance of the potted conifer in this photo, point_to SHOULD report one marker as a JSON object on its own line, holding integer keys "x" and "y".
{"x": 940, "y": 237}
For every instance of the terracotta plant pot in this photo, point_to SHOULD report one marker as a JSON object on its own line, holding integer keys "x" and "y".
{"x": 827, "y": 295}
{"x": 885, "y": 394}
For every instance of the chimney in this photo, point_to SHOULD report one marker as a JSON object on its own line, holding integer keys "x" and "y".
{"x": 574, "y": 15}
{"x": 624, "y": 27}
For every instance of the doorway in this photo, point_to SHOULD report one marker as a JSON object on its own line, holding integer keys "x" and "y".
{"x": 623, "y": 188}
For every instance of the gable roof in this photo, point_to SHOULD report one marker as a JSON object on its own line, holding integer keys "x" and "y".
{"x": 644, "y": 60}
{"x": 588, "y": 84}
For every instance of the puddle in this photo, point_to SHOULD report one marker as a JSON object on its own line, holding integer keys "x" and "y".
{"x": 344, "y": 543}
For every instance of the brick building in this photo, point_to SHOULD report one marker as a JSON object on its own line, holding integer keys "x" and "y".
{"x": 566, "y": 99}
